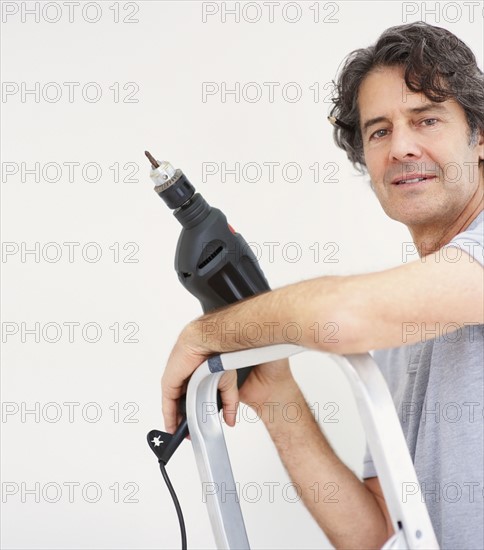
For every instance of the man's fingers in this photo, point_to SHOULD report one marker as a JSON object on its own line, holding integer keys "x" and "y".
{"x": 230, "y": 396}
{"x": 181, "y": 364}
{"x": 168, "y": 408}
{"x": 169, "y": 405}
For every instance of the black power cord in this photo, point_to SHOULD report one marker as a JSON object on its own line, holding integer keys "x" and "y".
{"x": 164, "y": 445}
{"x": 177, "y": 506}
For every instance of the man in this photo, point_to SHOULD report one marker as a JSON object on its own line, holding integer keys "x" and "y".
{"x": 410, "y": 110}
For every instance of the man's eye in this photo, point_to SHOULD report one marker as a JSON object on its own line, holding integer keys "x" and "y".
{"x": 379, "y": 134}
{"x": 429, "y": 121}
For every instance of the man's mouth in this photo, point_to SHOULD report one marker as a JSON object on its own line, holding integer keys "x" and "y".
{"x": 411, "y": 179}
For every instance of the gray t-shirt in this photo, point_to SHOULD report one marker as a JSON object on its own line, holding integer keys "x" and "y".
{"x": 438, "y": 389}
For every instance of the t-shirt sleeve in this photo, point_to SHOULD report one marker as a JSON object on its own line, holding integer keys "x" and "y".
{"x": 471, "y": 240}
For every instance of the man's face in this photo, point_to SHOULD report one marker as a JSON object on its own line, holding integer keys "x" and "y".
{"x": 407, "y": 137}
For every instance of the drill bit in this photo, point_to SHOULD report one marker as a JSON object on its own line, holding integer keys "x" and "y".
{"x": 151, "y": 158}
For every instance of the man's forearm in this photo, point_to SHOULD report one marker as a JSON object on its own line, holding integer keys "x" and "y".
{"x": 341, "y": 504}
{"x": 354, "y": 313}
{"x": 309, "y": 313}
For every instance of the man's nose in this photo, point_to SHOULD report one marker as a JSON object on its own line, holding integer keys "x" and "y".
{"x": 404, "y": 144}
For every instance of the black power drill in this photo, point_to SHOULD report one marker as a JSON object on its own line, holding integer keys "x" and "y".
{"x": 212, "y": 261}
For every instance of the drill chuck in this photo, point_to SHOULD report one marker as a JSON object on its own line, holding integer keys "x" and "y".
{"x": 170, "y": 184}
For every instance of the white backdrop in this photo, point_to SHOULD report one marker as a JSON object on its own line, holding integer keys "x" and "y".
{"x": 91, "y": 305}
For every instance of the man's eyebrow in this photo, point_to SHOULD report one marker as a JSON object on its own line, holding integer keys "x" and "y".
{"x": 414, "y": 111}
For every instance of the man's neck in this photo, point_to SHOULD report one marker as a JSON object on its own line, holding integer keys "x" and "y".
{"x": 430, "y": 238}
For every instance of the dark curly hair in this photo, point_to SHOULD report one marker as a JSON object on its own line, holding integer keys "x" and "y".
{"x": 436, "y": 63}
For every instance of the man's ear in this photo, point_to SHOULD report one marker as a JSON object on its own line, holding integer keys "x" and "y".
{"x": 480, "y": 144}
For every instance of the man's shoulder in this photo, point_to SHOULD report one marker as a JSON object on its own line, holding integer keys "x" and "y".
{"x": 471, "y": 240}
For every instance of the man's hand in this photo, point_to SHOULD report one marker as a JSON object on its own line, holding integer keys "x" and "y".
{"x": 261, "y": 386}
{"x": 186, "y": 356}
